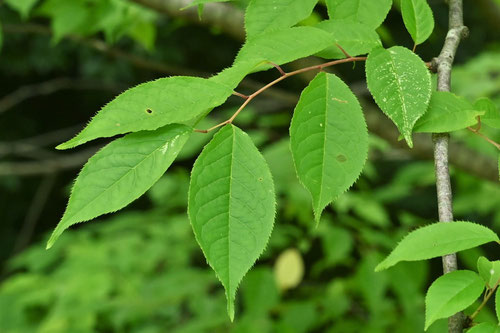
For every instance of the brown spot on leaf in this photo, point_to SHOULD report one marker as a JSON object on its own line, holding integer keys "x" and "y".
{"x": 341, "y": 158}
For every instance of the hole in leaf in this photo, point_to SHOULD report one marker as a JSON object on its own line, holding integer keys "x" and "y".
{"x": 149, "y": 111}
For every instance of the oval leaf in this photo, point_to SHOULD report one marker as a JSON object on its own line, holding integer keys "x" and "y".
{"x": 370, "y": 12}
{"x": 484, "y": 328}
{"x": 438, "y": 239}
{"x": 231, "y": 206}
{"x": 451, "y": 293}
{"x": 329, "y": 139}
{"x": 418, "y": 19}
{"x": 267, "y": 15}
{"x": 447, "y": 112}
{"x": 120, "y": 173}
{"x": 151, "y": 105}
{"x": 401, "y": 86}
{"x": 354, "y": 37}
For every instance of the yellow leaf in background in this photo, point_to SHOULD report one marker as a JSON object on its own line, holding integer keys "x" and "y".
{"x": 289, "y": 269}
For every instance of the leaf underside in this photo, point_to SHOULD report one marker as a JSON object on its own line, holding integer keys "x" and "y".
{"x": 231, "y": 206}
{"x": 120, "y": 173}
{"x": 401, "y": 86}
{"x": 438, "y": 239}
{"x": 328, "y": 138}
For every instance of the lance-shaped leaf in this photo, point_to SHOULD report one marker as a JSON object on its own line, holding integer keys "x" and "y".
{"x": 370, "y": 12}
{"x": 401, "y": 86}
{"x": 438, "y": 239}
{"x": 354, "y": 37}
{"x": 152, "y": 105}
{"x": 447, "y": 112}
{"x": 120, "y": 173}
{"x": 328, "y": 139}
{"x": 451, "y": 293}
{"x": 282, "y": 46}
{"x": 418, "y": 19}
{"x": 267, "y": 15}
{"x": 231, "y": 206}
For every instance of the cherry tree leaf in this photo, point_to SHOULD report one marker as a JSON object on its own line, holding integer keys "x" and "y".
{"x": 418, "y": 19}
{"x": 489, "y": 271}
{"x": 266, "y": 15}
{"x": 401, "y": 86}
{"x": 231, "y": 206}
{"x": 438, "y": 239}
{"x": 354, "y": 37}
{"x": 491, "y": 115}
{"x": 279, "y": 47}
{"x": 152, "y": 105}
{"x": 329, "y": 139}
{"x": 120, "y": 173}
{"x": 370, "y": 12}
{"x": 447, "y": 112}
{"x": 451, "y": 293}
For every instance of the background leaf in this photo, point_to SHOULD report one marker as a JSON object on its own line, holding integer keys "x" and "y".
{"x": 484, "y": 328}
{"x": 372, "y": 13}
{"x": 120, "y": 173}
{"x": 267, "y": 15}
{"x": 438, "y": 239}
{"x": 151, "y": 105}
{"x": 354, "y": 37}
{"x": 289, "y": 269}
{"x": 418, "y": 19}
{"x": 451, "y": 293}
{"x": 22, "y": 6}
{"x": 231, "y": 206}
{"x": 447, "y": 112}
{"x": 328, "y": 138}
{"x": 400, "y": 84}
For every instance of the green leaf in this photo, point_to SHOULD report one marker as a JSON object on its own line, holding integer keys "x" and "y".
{"x": 283, "y": 46}
{"x": 489, "y": 271}
{"x": 1, "y": 36}
{"x": 491, "y": 115}
{"x": 231, "y": 206}
{"x": 400, "y": 84}
{"x": 328, "y": 138}
{"x": 355, "y": 38}
{"x": 497, "y": 303}
{"x": 266, "y": 15}
{"x": 120, "y": 173}
{"x": 151, "y": 105}
{"x": 22, "y": 6}
{"x": 484, "y": 328}
{"x": 278, "y": 47}
{"x": 370, "y": 12}
{"x": 438, "y": 239}
{"x": 418, "y": 19}
{"x": 447, "y": 112}
{"x": 451, "y": 293}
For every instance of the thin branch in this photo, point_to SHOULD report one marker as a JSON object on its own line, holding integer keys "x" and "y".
{"x": 281, "y": 78}
{"x": 444, "y": 62}
{"x": 487, "y": 296}
{"x": 484, "y": 137}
